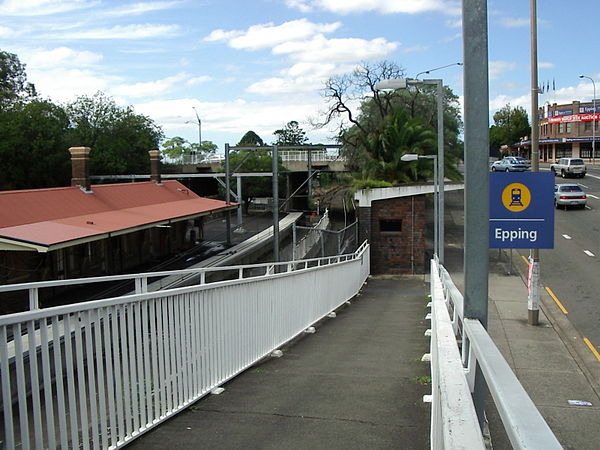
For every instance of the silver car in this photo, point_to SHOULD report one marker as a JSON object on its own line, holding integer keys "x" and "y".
{"x": 566, "y": 195}
{"x": 508, "y": 164}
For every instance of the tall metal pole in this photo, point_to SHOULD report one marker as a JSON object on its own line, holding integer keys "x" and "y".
{"x": 199, "y": 126}
{"x": 199, "y": 135}
{"x": 533, "y": 301}
{"x": 309, "y": 186}
{"x": 477, "y": 213}
{"x": 275, "y": 205}
{"x": 240, "y": 201}
{"x": 436, "y": 210}
{"x": 593, "y": 119}
{"x": 440, "y": 164}
{"x": 227, "y": 194}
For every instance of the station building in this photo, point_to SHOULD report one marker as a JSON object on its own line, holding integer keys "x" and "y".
{"x": 566, "y": 131}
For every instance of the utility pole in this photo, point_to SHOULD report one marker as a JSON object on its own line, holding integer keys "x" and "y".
{"x": 477, "y": 188}
{"x": 533, "y": 300}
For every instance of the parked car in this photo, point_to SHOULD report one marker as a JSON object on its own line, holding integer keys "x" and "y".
{"x": 569, "y": 167}
{"x": 524, "y": 161}
{"x": 508, "y": 164}
{"x": 566, "y": 195}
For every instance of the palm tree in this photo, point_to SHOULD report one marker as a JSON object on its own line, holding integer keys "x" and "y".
{"x": 401, "y": 134}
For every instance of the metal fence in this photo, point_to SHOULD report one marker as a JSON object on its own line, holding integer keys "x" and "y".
{"x": 99, "y": 374}
{"x": 454, "y": 422}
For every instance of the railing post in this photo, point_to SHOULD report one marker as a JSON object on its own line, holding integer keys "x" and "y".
{"x": 141, "y": 285}
{"x": 34, "y": 300}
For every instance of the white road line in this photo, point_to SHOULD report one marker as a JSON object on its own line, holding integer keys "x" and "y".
{"x": 593, "y": 196}
{"x": 587, "y": 252}
{"x": 566, "y": 236}
{"x": 580, "y": 184}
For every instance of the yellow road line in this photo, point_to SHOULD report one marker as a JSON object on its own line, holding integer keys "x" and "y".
{"x": 557, "y": 301}
{"x": 592, "y": 348}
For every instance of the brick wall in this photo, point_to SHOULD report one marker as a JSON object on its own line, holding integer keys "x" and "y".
{"x": 397, "y": 235}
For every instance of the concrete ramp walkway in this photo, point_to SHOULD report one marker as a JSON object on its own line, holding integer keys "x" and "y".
{"x": 357, "y": 383}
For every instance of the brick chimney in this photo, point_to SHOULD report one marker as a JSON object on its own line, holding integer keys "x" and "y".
{"x": 80, "y": 167}
{"x": 155, "y": 166}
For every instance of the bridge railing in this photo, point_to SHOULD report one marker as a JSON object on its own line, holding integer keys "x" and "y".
{"x": 99, "y": 374}
{"x": 454, "y": 422}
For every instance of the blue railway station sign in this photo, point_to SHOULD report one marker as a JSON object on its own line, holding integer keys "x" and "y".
{"x": 521, "y": 210}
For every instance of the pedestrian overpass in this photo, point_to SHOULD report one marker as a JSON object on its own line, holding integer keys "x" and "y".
{"x": 100, "y": 374}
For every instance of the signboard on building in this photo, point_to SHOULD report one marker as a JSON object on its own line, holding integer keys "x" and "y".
{"x": 574, "y": 118}
{"x": 588, "y": 109}
{"x": 563, "y": 112}
{"x": 521, "y": 210}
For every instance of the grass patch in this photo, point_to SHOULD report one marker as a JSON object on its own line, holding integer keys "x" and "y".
{"x": 423, "y": 381}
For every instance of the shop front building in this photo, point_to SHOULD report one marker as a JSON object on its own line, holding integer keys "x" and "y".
{"x": 566, "y": 132}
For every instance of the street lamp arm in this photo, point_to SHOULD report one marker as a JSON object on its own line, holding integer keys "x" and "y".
{"x": 438, "y": 68}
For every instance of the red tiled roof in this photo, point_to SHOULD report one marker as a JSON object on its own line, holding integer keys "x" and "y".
{"x": 51, "y": 216}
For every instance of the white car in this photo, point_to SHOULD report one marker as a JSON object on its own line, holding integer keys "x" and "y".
{"x": 569, "y": 194}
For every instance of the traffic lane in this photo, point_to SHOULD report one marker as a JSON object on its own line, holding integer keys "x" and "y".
{"x": 571, "y": 273}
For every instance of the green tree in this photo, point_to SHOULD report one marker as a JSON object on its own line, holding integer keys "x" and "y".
{"x": 255, "y": 161}
{"x": 176, "y": 147}
{"x": 33, "y": 148}
{"x": 251, "y": 139}
{"x": 510, "y": 125}
{"x": 14, "y": 86}
{"x": 361, "y": 128}
{"x": 291, "y": 134}
{"x": 119, "y": 138}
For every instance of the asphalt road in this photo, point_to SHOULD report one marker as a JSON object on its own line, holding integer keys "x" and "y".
{"x": 572, "y": 269}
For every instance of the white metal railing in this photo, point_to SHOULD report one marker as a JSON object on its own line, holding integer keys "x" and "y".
{"x": 302, "y": 155}
{"x": 454, "y": 422}
{"x": 100, "y": 373}
{"x": 301, "y": 248}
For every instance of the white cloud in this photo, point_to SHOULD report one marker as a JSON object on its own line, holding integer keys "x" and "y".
{"x": 381, "y": 6}
{"x": 7, "y": 33}
{"x": 498, "y": 68}
{"x": 63, "y": 56}
{"x": 455, "y": 23}
{"x": 546, "y": 65}
{"x": 320, "y": 49}
{"x": 141, "y": 8}
{"x": 150, "y": 88}
{"x": 515, "y": 22}
{"x": 198, "y": 80}
{"x": 234, "y": 117}
{"x": 64, "y": 84}
{"x": 301, "y": 5}
{"x": 136, "y": 31}
{"x": 42, "y": 7}
{"x": 269, "y": 35}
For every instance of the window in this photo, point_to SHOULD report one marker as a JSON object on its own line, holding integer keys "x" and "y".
{"x": 390, "y": 225}
{"x": 561, "y": 127}
{"x": 569, "y": 126}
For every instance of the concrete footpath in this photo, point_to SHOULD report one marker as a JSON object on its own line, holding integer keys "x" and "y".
{"x": 358, "y": 382}
{"x": 550, "y": 360}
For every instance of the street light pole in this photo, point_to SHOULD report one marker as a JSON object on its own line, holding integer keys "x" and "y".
{"x": 403, "y": 83}
{"x": 199, "y": 126}
{"x": 593, "y": 119}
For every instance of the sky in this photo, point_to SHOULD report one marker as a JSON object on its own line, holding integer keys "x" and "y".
{"x": 258, "y": 64}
